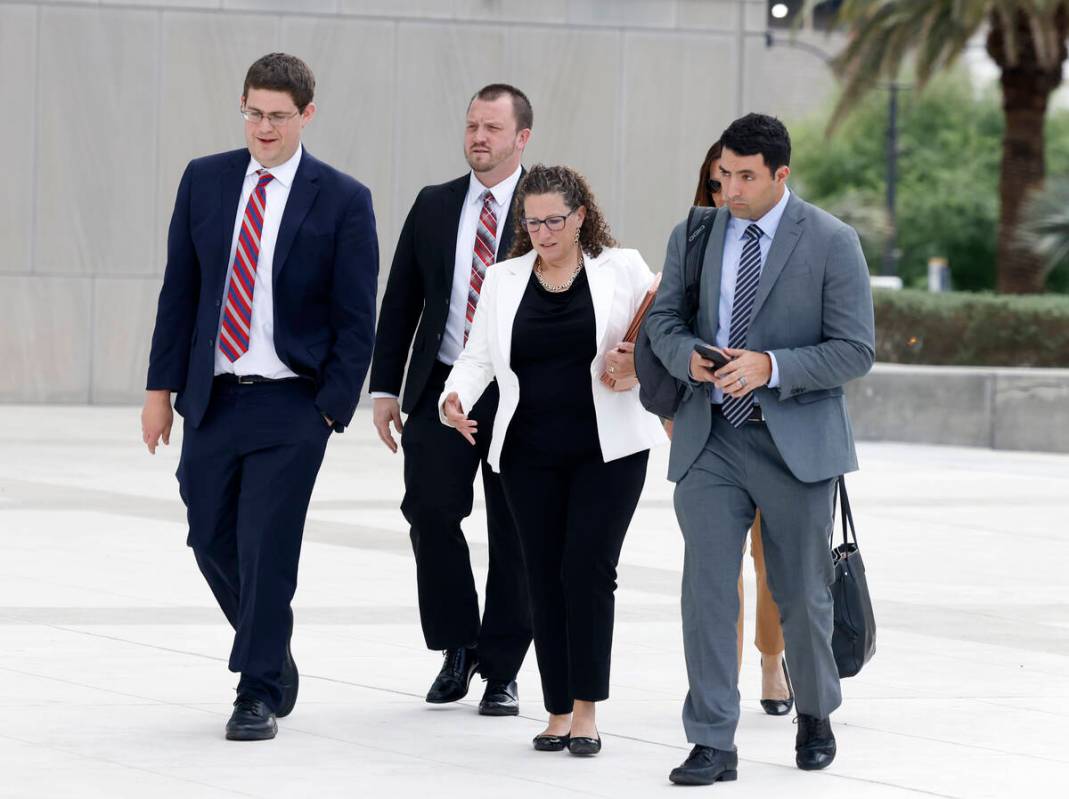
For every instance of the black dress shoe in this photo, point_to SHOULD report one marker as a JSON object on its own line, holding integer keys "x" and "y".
{"x": 251, "y": 720}
{"x": 500, "y": 698}
{"x": 290, "y": 682}
{"x": 706, "y": 765}
{"x": 780, "y": 707}
{"x": 550, "y": 743}
{"x": 814, "y": 745}
{"x": 453, "y": 680}
{"x": 583, "y": 746}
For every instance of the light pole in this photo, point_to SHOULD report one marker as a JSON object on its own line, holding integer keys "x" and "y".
{"x": 889, "y": 264}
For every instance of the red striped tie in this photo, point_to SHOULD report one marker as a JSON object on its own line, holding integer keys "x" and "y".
{"x": 237, "y": 319}
{"x": 483, "y": 257}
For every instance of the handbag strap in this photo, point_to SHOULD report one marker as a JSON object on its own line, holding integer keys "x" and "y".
{"x": 846, "y": 514}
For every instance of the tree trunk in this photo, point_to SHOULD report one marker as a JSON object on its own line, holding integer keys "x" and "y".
{"x": 1026, "y": 88}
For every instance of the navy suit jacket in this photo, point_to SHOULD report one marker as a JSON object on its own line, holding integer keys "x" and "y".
{"x": 325, "y": 278}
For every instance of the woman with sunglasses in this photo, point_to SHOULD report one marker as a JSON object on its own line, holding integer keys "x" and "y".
{"x": 777, "y": 698}
{"x": 570, "y": 438}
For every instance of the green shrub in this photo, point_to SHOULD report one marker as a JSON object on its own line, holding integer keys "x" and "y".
{"x": 962, "y": 329}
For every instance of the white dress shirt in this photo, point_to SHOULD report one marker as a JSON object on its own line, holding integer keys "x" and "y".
{"x": 729, "y": 275}
{"x": 453, "y": 337}
{"x": 261, "y": 358}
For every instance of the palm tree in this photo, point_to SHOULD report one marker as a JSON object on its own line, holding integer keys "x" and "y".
{"x": 1025, "y": 38}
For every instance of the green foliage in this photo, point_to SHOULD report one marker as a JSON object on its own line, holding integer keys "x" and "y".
{"x": 961, "y": 329}
{"x": 950, "y": 147}
{"x": 1045, "y": 230}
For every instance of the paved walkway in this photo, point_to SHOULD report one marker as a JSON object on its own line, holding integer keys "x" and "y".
{"x": 113, "y": 680}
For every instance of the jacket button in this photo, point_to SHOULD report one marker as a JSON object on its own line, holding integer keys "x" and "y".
{"x": 211, "y": 342}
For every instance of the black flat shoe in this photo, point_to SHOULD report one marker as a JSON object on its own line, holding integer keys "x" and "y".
{"x": 780, "y": 707}
{"x": 550, "y": 743}
{"x": 814, "y": 746}
{"x": 453, "y": 680}
{"x": 583, "y": 746}
{"x": 706, "y": 765}
{"x": 252, "y": 720}
{"x": 500, "y": 698}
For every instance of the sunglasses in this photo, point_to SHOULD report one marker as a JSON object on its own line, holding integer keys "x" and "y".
{"x": 712, "y": 185}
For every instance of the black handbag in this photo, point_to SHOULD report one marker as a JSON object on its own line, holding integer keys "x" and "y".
{"x": 854, "y": 639}
{"x": 658, "y": 391}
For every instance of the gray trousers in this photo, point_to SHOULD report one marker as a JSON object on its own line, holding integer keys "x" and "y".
{"x": 739, "y": 471}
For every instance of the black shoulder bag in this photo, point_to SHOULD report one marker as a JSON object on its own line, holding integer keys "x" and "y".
{"x": 854, "y": 639}
{"x": 659, "y": 391}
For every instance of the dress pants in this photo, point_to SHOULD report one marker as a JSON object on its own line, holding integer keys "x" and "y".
{"x": 768, "y": 637}
{"x": 739, "y": 470}
{"x": 246, "y": 475}
{"x": 440, "y": 468}
{"x": 572, "y": 514}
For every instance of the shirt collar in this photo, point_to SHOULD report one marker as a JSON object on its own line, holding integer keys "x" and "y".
{"x": 768, "y": 223}
{"x": 283, "y": 173}
{"x": 502, "y": 192}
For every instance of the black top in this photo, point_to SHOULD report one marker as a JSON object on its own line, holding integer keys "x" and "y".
{"x": 553, "y": 346}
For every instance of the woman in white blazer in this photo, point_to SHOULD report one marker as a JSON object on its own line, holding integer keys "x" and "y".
{"x": 570, "y": 438}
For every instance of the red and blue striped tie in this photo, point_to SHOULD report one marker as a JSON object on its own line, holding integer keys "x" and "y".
{"x": 237, "y": 318}
{"x": 483, "y": 257}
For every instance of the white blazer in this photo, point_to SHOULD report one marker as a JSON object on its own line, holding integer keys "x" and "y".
{"x": 618, "y": 282}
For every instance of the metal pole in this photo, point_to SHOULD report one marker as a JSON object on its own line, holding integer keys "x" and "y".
{"x": 890, "y": 249}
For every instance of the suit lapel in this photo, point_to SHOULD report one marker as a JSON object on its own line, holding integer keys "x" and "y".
{"x": 512, "y": 283}
{"x": 302, "y": 195}
{"x": 787, "y": 235}
{"x": 458, "y": 190}
{"x": 602, "y": 282}
{"x": 712, "y": 270}
{"x": 231, "y": 180}
{"x": 506, "y": 236}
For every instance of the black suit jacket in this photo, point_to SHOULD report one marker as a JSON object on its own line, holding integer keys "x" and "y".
{"x": 324, "y": 277}
{"x": 419, "y": 288}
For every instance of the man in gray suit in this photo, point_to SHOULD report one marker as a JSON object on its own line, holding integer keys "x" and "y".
{"x": 785, "y": 296}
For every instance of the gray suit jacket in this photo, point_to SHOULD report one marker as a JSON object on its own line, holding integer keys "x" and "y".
{"x": 813, "y": 311}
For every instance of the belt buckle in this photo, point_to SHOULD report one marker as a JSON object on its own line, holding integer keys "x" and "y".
{"x": 245, "y": 380}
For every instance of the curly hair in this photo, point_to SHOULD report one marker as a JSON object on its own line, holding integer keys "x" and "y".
{"x": 594, "y": 235}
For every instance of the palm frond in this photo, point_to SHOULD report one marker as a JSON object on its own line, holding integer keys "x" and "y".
{"x": 1045, "y": 229}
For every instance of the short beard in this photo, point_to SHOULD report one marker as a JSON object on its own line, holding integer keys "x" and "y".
{"x": 493, "y": 164}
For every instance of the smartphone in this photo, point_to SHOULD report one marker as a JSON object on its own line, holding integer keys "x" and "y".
{"x": 710, "y": 354}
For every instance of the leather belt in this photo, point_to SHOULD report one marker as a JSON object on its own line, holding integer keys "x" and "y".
{"x": 249, "y": 380}
{"x": 755, "y": 412}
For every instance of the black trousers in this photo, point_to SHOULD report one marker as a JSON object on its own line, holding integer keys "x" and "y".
{"x": 440, "y": 471}
{"x": 572, "y": 513}
{"x": 246, "y": 475}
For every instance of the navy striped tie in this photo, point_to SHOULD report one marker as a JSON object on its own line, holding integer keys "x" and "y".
{"x": 737, "y": 410}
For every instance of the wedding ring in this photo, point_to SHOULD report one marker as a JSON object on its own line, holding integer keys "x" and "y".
{"x": 612, "y": 370}
{"x": 742, "y": 382}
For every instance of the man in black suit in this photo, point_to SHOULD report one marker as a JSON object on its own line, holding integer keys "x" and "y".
{"x": 264, "y": 329}
{"x": 454, "y": 232}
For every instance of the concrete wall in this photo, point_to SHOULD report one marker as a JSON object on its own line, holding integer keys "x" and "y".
{"x": 107, "y": 101}
{"x": 1022, "y": 409}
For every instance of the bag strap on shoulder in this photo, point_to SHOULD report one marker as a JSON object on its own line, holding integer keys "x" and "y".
{"x": 699, "y": 226}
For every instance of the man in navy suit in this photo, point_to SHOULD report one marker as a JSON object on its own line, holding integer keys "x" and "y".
{"x": 264, "y": 330}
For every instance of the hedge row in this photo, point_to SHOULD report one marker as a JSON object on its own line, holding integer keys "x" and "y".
{"x": 962, "y": 329}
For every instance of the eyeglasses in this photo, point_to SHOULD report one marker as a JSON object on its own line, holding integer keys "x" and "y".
{"x": 276, "y": 119}
{"x": 713, "y": 186}
{"x": 552, "y": 222}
